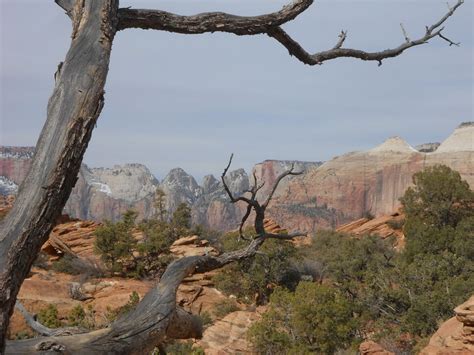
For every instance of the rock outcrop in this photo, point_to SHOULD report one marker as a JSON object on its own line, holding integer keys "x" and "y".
{"x": 427, "y": 147}
{"x": 456, "y": 335}
{"x": 228, "y": 335}
{"x": 75, "y": 237}
{"x": 383, "y": 226}
{"x": 371, "y": 182}
{"x": 104, "y": 295}
{"x": 328, "y": 195}
{"x": 370, "y": 347}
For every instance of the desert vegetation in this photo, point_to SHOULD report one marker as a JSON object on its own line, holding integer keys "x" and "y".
{"x": 126, "y": 255}
{"x": 397, "y": 298}
{"x": 72, "y": 113}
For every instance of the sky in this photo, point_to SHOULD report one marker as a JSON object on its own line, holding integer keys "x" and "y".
{"x": 190, "y": 100}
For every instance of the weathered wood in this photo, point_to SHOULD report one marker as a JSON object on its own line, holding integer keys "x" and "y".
{"x": 211, "y": 21}
{"x": 145, "y": 327}
{"x": 271, "y": 25}
{"x": 157, "y": 315}
{"x": 72, "y": 112}
{"x": 73, "y": 109}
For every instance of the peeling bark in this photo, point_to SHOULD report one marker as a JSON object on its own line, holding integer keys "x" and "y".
{"x": 73, "y": 109}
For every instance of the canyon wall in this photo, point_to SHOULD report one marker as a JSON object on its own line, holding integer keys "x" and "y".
{"x": 345, "y": 188}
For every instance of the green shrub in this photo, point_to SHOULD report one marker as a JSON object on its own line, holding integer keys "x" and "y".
{"x": 313, "y": 319}
{"x": 127, "y": 256}
{"x": 73, "y": 265}
{"x": 396, "y": 224}
{"x": 254, "y": 278}
{"x": 183, "y": 348}
{"x": 76, "y": 316}
{"x": 225, "y": 307}
{"x": 23, "y": 334}
{"x": 206, "y": 319}
{"x": 49, "y": 317}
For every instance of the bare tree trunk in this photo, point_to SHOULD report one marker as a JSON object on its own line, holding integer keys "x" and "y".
{"x": 73, "y": 108}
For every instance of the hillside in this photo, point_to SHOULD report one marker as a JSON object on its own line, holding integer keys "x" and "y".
{"x": 342, "y": 189}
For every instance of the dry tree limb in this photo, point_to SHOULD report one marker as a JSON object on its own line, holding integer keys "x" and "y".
{"x": 157, "y": 316}
{"x": 73, "y": 109}
{"x": 209, "y": 22}
{"x": 255, "y": 205}
{"x": 295, "y": 49}
{"x": 43, "y": 330}
{"x": 270, "y": 24}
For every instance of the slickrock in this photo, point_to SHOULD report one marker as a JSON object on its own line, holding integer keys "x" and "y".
{"x": 456, "y": 335}
{"x": 190, "y": 246}
{"x": 228, "y": 335}
{"x": 384, "y": 227}
{"x": 199, "y": 299}
{"x": 75, "y": 237}
{"x": 105, "y": 295}
{"x": 372, "y": 348}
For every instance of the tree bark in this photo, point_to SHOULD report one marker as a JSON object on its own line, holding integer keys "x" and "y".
{"x": 73, "y": 109}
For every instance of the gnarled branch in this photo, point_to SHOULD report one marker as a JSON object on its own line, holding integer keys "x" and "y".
{"x": 209, "y": 22}
{"x": 277, "y": 182}
{"x": 295, "y": 49}
{"x": 270, "y": 24}
{"x": 256, "y": 206}
{"x": 66, "y": 5}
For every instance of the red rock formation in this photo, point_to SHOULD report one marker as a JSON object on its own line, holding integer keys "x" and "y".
{"x": 350, "y": 186}
{"x": 456, "y": 335}
{"x": 372, "y": 348}
{"x": 15, "y": 162}
{"x": 105, "y": 295}
{"x": 384, "y": 227}
{"x": 228, "y": 335}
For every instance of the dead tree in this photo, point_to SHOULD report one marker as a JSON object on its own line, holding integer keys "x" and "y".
{"x": 157, "y": 316}
{"x": 73, "y": 109}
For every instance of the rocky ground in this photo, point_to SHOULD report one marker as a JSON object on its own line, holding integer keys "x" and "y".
{"x": 106, "y": 295}
{"x": 224, "y": 334}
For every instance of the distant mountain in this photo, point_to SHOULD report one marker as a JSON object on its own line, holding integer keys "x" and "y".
{"x": 326, "y": 195}
{"x": 371, "y": 182}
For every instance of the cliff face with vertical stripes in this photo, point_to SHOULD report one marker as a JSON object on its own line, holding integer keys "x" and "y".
{"x": 343, "y": 189}
{"x": 371, "y": 182}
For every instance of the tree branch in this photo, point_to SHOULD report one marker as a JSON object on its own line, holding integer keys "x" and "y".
{"x": 66, "y": 5}
{"x": 227, "y": 189}
{"x": 270, "y": 24}
{"x": 295, "y": 49}
{"x": 277, "y": 182}
{"x": 43, "y": 330}
{"x": 209, "y": 22}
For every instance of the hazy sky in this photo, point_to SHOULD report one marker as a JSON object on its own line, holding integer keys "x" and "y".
{"x": 189, "y": 101}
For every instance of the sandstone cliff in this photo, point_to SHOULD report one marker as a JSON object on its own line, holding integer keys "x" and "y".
{"x": 371, "y": 182}
{"x": 456, "y": 335}
{"x": 343, "y": 189}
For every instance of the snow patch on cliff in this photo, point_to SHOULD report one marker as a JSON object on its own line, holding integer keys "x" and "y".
{"x": 7, "y": 186}
{"x": 102, "y": 187}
